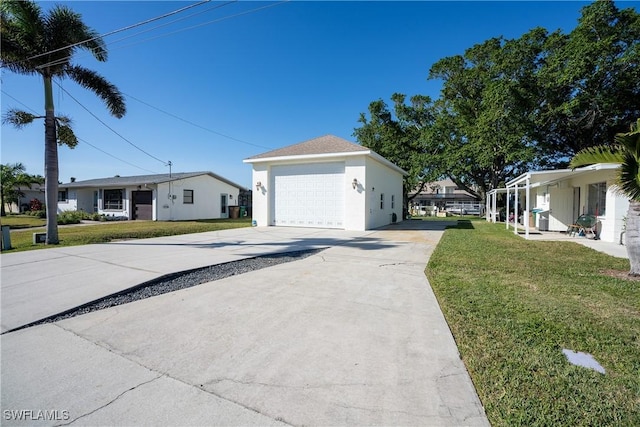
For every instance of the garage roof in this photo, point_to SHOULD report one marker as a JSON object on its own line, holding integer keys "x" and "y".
{"x": 328, "y": 144}
{"x": 318, "y": 148}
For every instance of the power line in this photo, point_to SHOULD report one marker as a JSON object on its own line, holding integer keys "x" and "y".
{"x": 224, "y": 18}
{"x": 19, "y": 102}
{"x": 62, "y": 60}
{"x": 110, "y": 128}
{"x": 116, "y": 31}
{"x": 195, "y": 124}
{"x": 117, "y": 158}
{"x": 80, "y": 139}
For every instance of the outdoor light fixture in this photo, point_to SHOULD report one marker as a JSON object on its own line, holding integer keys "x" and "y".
{"x": 258, "y": 185}
{"x": 354, "y": 184}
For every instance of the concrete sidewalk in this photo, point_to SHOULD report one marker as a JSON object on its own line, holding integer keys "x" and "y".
{"x": 350, "y": 336}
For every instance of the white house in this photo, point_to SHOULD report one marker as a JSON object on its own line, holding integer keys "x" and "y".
{"x": 444, "y": 195}
{"x": 559, "y": 197}
{"x": 26, "y": 196}
{"x": 326, "y": 182}
{"x": 162, "y": 197}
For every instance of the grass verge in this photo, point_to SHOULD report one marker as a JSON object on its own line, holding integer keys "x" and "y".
{"x": 22, "y": 240}
{"x": 513, "y": 305}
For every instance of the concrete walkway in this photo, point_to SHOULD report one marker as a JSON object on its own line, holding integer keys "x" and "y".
{"x": 350, "y": 336}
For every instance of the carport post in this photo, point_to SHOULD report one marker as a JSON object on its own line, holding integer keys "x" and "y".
{"x": 525, "y": 216}
{"x": 515, "y": 210}
{"x": 507, "y": 218}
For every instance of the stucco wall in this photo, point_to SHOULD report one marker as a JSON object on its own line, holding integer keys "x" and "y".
{"x": 382, "y": 180}
{"x": 260, "y": 210}
{"x": 206, "y": 199}
{"x": 355, "y": 209}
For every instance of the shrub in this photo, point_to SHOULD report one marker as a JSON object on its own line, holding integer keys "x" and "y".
{"x": 36, "y": 205}
{"x": 70, "y": 217}
{"x": 38, "y": 214}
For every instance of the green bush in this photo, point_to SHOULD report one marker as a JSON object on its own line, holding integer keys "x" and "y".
{"x": 70, "y": 217}
{"x": 38, "y": 214}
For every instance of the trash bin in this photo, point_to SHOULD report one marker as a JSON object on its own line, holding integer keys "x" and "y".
{"x": 543, "y": 223}
{"x": 234, "y": 212}
{"x": 243, "y": 211}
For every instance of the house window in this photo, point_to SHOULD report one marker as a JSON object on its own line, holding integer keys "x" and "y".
{"x": 187, "y": 197}
{"x": 382, "y": 201}
{"x": 393, "y": 201}
{"x": 63, "y": 195}
{"x": 597, "y": 199}
{"x": 113, "y": 199}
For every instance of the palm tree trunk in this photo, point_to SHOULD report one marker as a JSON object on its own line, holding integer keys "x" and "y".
{"x": 50, "y": 165}
{"x": 632, "y": 235}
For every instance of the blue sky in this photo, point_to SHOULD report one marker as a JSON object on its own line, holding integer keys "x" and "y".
{"x": 267, "y": 79}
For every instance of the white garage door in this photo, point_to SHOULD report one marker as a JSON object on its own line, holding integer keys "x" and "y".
{"x": 308, "y": 195}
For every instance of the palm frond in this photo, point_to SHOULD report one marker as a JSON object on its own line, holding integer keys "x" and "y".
{"x": 19, "y": 118}
{"x": 64, "y": 120}
{"x": 630, "y": 140}
{"x": 66, "y": 136}
{"x": 66, "y": 27}
{"x": 598, "y": 154}
{"x": 89, "y": 79}
{"x": 628, "y": 179}
{"x": 21, "y": 35}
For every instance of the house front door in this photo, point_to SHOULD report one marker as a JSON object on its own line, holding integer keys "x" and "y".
{"x": 142, "y": 205}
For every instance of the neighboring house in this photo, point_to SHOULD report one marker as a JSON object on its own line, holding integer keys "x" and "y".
{"x": 181, "y": 196}
{"x": 35, "y": 192}
{"x": 326, "y": 182}
{"x": 553, "y": 200}
{"x": 444, "y": 195}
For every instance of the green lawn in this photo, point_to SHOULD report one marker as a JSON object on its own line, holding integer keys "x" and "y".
{"x": 513, "y": 305}
{"x": 22, "y": 240}
{"x": 22, "y": 221}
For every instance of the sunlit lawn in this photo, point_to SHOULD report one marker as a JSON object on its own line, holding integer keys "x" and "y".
{"x": 22, "y": 221}
{"x": 22, "y": 240}
{"x": 513, "y": 305}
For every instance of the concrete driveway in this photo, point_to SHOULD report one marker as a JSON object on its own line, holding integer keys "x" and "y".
{"x": 350, "y": 336}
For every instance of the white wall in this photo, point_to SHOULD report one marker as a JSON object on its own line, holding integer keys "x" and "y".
{"x": 206, "y": 199}
{"x": 613, "y": 224}
{"x": 382, "y": 180}
{"x": 260, "y": 203}
{"x": 71, "y": 204}
{"x": 355, "y": 217}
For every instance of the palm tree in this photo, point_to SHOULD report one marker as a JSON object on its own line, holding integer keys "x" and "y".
{"x": 34, "y": 43}
{"x": 625, "y": 151}
{"x": 13, "y": 176}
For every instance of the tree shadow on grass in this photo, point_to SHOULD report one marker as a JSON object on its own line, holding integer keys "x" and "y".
{"x": 463, "y": 224}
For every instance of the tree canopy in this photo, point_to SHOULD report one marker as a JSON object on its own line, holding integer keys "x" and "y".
{"x": 511, "y": 105}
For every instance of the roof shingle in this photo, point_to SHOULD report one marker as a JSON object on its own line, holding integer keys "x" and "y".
{"x": 327, "y": 144}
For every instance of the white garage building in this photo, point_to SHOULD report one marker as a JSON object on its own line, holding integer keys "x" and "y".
{"x": 326, "y": 182}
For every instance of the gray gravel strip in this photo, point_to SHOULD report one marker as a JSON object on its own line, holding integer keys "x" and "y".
{"x": 176, "y": 281}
